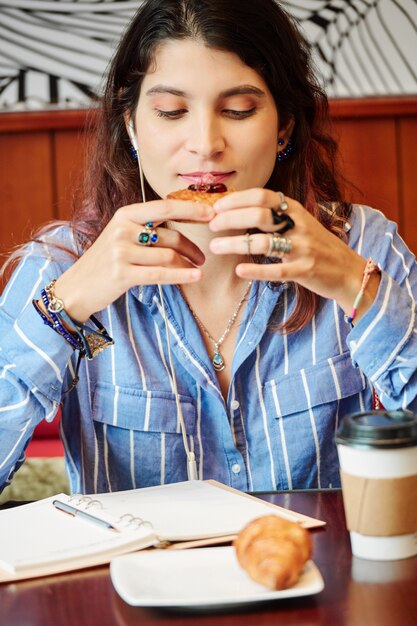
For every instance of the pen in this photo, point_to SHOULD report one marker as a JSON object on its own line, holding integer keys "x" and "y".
{"x": 71, "y": 510}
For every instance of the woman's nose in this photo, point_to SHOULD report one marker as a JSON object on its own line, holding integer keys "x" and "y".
{"x": 206, "y": 138}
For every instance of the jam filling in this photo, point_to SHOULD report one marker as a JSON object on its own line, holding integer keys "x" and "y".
{"x": 209, "y": 187}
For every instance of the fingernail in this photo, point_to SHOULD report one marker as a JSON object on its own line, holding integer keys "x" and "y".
{"x": 217, "y": 245}
{"x": 195, "y": 274}
{"x": 218, "y": 206}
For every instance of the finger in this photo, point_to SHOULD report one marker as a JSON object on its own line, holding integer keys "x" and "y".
{"x": 241, "y": 244}
{"x": 156, "y": 275}
{"x": 256, "y": 244}
{"x": 171, "y": 239}
{"x": 159, "y": 211}
{"x": 258, "y": 197}
{"x": 267, "y": 220}
{"x": 154, "y": 256}
{"x": 292, "y": 271}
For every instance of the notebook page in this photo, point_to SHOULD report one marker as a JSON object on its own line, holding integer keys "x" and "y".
{"x": 189, "y": 510}
{"x": 39, "y": 534}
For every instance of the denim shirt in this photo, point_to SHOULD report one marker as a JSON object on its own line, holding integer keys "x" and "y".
{"x": 287, "y": 394}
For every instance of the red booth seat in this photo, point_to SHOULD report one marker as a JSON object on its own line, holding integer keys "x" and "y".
{"x": 46, "y": 441}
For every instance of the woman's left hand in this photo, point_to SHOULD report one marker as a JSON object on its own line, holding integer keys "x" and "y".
{"x": 318, "y": 260}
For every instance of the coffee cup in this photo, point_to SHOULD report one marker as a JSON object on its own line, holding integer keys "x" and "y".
{"x": 378, "y": 461}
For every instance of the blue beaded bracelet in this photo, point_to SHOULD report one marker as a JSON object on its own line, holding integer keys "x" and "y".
{"x": 56, "y": 325}
{"x": 90, "y": 341}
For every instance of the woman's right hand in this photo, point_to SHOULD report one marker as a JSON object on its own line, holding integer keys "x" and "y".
{"x": 115, "y": 262}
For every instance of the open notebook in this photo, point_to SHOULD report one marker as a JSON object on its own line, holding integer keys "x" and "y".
{"x": 64, "y": 533}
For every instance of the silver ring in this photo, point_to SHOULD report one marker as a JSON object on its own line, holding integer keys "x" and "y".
{"x": 283, "y": 206}
{"x": 278, "y": 246}
{"x": 148, "y": 236}
{"x": 248, "y": 242}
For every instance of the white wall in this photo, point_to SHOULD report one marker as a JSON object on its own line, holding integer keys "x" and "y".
{"x": 54, "y": 52}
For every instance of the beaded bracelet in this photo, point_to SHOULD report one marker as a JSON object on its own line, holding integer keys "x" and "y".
{"x": 56, "y": 325}
{"x": 90, "y": 341}
{"x": 370, "y": 268}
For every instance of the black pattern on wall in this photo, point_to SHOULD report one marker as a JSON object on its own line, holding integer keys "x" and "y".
{"x": 54, "y": 52}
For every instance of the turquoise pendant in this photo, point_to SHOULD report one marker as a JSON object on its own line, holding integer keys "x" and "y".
{"x": 218, "y": 362}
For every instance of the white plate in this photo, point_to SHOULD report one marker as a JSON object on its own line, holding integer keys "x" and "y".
{"x": 203, "y": 577}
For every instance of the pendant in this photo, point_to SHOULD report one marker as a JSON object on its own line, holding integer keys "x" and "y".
{"x": 218, "y": 362}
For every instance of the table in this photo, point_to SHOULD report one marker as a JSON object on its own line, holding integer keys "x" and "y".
{"x": 356, "y": 593}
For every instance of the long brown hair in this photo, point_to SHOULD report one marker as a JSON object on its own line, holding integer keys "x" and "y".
{"x": 267, "y": 39}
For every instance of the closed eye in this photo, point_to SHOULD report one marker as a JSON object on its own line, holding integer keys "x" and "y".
{"x": 238, "y": 115}
{"x": 171, "y": 115}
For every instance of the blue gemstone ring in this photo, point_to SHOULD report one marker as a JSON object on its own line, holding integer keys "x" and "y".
{"x": 148, "y": 236}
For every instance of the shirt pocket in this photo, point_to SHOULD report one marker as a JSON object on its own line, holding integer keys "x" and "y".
{"x": 323, "y": 383}
{"x": 142, "y": 410}
{"x": 304, "y": 410}
{"x": 138, "y": 436}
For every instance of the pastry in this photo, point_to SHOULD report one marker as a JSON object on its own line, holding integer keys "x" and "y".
{"x": 208, "y": 193}
{"x": 273, "y": 551}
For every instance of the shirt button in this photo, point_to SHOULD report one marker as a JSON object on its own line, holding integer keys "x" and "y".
{"x": 236, "y": 468}
{"x": 235, "y": 405}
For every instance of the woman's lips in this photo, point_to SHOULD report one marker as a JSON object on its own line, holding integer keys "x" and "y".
{"x": 209, "y": 178}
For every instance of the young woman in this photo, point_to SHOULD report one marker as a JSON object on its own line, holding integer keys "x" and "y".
{"x": 232, "y": 358}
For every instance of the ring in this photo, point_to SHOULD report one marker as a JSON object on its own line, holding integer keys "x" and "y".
{"x": 283, "y": 206}
{"x": 148, "y": 236}
{"x": 282, "y": 218}
{"x": 248, "y": 242}
{"x": 278, "y": 246}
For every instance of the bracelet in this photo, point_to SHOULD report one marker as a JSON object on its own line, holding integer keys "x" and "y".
{"x": 370, "y": 268}
{"x": 87, "y": 340}
{"x": 91, "y": 341}
{"x": 57, "y": 326}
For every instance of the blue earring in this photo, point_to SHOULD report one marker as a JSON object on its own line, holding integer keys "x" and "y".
{"x": 133, "y": 152}
{"x": 284, "y": 154}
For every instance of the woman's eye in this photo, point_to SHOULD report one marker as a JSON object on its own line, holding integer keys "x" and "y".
{"x": 171, "y": 115}
{"x": 238, "y": 115}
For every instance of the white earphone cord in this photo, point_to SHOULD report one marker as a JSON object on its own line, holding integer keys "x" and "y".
{"x": 191, "y": 462}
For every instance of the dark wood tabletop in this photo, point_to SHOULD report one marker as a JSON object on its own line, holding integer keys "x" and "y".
{"x": 356, "y": 593}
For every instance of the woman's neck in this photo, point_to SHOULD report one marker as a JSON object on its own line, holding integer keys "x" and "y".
{"x": 219, "y": 275}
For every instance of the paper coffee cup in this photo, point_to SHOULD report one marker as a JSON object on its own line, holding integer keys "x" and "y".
{"x": 378, "y": 459}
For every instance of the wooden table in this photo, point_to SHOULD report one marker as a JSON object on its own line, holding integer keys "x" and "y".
{"x": 357, "y": 592}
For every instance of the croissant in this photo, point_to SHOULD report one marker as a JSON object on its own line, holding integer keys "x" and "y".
{"x": 273, "y": 551}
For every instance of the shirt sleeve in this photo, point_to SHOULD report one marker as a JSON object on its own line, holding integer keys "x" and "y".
{"x": 384, "y": 341}
{"x": 33, "y": 358}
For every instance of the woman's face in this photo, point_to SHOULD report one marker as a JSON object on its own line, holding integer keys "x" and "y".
{"x": 204, "y": 116}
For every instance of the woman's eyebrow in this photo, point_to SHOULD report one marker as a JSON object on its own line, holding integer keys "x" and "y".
{"x": 243, "y": 90}
{"x": 165, "y": 89}
{"x": 233, "y": 91}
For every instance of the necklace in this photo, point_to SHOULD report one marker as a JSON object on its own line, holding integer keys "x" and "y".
{"x": 218, "y": 360}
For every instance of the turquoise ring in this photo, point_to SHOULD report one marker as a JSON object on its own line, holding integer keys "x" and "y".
{"x": 148, "y": 236}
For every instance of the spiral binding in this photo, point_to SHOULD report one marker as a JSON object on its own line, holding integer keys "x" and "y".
{"x": 78, "y": 499}
{"x": 126, "y": 521}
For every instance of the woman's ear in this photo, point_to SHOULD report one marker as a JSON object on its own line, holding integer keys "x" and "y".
{"x": 131, "y": 131}
{"x": 284, "y": 134}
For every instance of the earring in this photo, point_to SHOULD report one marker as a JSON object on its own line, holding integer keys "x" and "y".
{"x": 133, "y": 152}
{"x": 285, "y": 152}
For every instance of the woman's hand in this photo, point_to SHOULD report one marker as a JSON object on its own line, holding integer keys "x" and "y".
{"x": 318, "y": 260}
{"x": 117, "y": 261}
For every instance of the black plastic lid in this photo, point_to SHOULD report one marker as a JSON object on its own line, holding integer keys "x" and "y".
{"x": 378, "y": 429}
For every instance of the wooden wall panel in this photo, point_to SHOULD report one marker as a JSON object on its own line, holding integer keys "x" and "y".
{"x": 369, "y": 160}
{"x": 69, "y": 161}
{"x": 42, "y": 157}
{"x": 26, "y": 185}
{"x": 407, "y": 132}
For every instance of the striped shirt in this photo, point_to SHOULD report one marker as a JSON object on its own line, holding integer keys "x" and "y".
{"x": 287, "y": 393}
